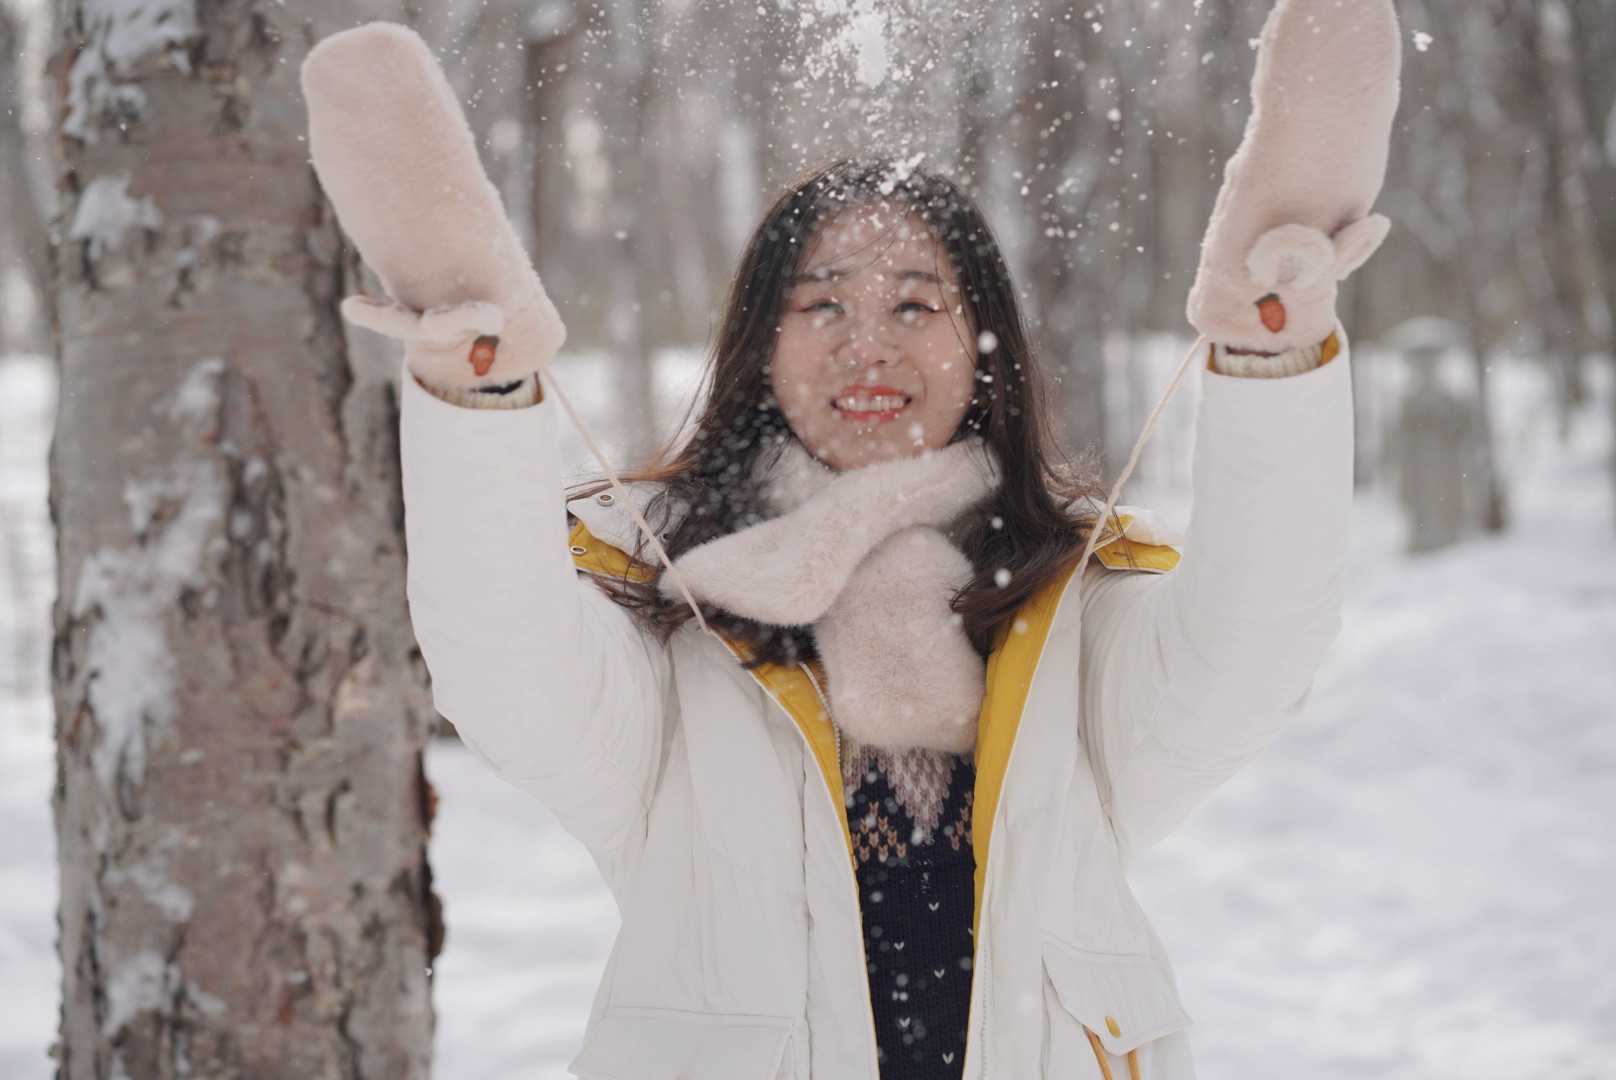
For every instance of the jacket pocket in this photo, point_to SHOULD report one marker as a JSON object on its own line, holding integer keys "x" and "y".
{"x": 1123, "y": 999}
{"x": 674, "y": 1044}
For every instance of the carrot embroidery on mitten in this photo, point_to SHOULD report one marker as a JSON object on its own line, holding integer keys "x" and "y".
{"x": 482, "y": 354}
{"x": 1271, "y": 309}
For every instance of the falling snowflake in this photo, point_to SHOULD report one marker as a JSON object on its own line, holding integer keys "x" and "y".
{"x": 1422, "y": 40}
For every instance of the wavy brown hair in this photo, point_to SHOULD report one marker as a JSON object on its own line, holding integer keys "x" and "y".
{"x": 1033, "y": 526}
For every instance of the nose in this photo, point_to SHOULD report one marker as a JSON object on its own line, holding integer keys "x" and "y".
{"x": 866, "y": 347}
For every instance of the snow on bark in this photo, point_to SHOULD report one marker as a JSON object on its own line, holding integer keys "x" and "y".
{"x": 139, "y": 984}
{"x": 125, "y": 593}
{"x": 107, "y": 211}
{"x": 120, "y": 33}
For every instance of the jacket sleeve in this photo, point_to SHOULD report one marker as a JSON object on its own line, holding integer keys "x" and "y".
{"x": 548, "y": 682}
{"x": 1188, "y": 676}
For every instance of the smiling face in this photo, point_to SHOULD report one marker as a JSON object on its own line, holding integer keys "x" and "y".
{"x": 875, "y": 358}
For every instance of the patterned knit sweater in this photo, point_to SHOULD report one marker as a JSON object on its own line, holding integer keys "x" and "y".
{"x": 910, "y": 816}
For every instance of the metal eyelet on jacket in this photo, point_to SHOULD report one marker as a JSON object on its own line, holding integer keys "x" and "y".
{"x": 605, "y": 498}
{"x": 576, "y": 550}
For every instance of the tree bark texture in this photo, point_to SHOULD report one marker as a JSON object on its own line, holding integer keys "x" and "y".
{"x": 241, "y": 810}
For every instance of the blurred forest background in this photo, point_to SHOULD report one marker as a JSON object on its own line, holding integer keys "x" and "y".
{"x": 224, "y": 466}
{"x": 636, "y": 142}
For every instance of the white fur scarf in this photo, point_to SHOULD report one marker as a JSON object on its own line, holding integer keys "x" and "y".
{"x": 862, "y": 557}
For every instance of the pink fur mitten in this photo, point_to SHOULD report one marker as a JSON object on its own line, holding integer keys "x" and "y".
{"x": 395, "y": 156}
{"x": 1293, "y": 216}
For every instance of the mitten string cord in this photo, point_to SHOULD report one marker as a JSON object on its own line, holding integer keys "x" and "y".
{"x": 622, "y": 493}
{"x": 1138, "y": 448}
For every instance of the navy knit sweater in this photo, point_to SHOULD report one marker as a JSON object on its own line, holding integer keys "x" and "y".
{"x": 910, "y": 816}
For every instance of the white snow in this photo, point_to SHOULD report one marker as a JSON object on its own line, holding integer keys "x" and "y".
{"x": 139, "y": 984}
{"x": 127, "y": 30}
{"x": 1415, "y": 882}
{"x": 853, "y": 32}
{"x": 128, "y": 591}
{"x": 150, "y": 876}
{"x": 106, "y": 211}
{"x": 868, "y": 32}
{"x": 194, "y": 404}
{"x": 118, "y": 33}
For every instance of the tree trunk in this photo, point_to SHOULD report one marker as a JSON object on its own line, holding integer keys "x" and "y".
{"x": 1597, "y": 71}
{"x": 1068, "y": 256}
{"x": 549, "y": 57}
{"x": 625, "y": 109}
{"x": 24, "y": 248}
{"x": 1578, "y": 272}
{"x": 241, "y": 811}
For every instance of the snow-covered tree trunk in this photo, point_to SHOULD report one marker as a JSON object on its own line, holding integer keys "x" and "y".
{"x": 241, "y": 811}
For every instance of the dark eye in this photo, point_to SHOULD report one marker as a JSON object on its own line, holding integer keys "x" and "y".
{"x": 916, "y": 306}
{"x": 829, "y": 307}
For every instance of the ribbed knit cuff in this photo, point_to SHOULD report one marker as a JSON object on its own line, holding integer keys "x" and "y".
{"x": 1263, "y": 366}
{"x": 512, "y": 395}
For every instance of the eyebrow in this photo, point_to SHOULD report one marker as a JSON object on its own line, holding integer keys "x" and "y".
{"x": 813, "y": 276}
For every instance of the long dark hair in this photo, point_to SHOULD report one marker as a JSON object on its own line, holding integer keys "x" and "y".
{"x": 1032, "y": 527}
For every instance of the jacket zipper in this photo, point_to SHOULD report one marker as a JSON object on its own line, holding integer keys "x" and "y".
{"x": 852, "y": 877}
{"x": 987, "y": 990}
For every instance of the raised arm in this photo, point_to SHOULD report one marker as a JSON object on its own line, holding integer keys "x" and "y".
{"x": 1189, "y": 676}
{"x": 546, "y": 680}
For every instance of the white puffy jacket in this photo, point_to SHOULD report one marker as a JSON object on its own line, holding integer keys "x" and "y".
{"x": 710, "y": 796}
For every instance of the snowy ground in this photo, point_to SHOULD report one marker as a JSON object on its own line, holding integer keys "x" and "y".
{"x": 1417, "y": 882}
{"x": 1419, "y": 879}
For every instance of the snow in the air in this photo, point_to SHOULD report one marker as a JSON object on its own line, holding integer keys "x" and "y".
{"x": 1415, "y": 883}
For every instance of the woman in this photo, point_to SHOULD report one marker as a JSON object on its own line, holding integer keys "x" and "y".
{"x": 865, "y": 766}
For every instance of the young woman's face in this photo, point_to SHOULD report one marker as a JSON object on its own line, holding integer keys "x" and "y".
{"x": 875, "y": 358}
